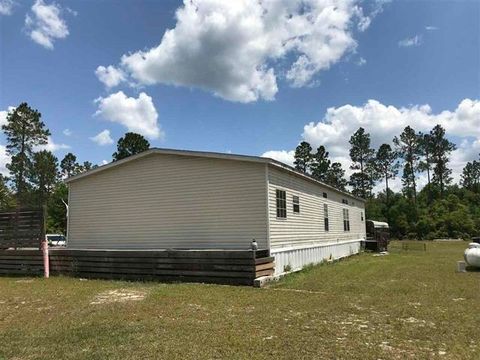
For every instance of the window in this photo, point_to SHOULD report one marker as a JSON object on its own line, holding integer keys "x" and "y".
{"x": 345, "y": 201}
{"x": 325, "y": 217}
{"x": 281, "y": 204}
{"x": 296, "y": 204}
{"x": 361, "y": 216}
{"x": 346, "y": 220}
{"x": 325, "y": 195}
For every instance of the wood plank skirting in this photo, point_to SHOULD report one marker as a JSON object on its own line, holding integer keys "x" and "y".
{"x": 209, "y": 266}
{"x": 21, "y": 262}
{"x": 295, "y": 258}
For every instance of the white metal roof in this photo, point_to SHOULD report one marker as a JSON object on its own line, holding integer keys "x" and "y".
{"x": 206, "y": 154}
{"x": 379, "y": 224}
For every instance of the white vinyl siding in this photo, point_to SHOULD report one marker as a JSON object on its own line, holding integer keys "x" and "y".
{"x": 169, "y": 201}
{"x": 308, "y": 227}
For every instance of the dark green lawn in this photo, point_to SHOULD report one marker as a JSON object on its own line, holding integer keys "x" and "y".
{"x": 410, "y": 304}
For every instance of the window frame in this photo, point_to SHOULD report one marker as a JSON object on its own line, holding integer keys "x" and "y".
{"x": 281, "y": 203}
{"x": 326, "y": 221}
{"x": 296, "y": 204}
{"x": 346, "y": 220}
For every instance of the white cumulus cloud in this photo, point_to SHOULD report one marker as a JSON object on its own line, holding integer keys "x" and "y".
{"x": 4, "y": 157}
{"x": 51, "y": 146}
{"x": 110, "y": 76}
{"x": 67, "y": 132}
{"x": 413, "y": 41}
{"x": 4, "y": 114}
{"x": 136, "y": 114}
{"x": 44, "y": 24}
{"x": 286, "y": 157}
{"x": 4, "y": 160}
{"x": 103, "y": 138}
{"x": 362, "y": 61}
{"x": 238, "y": 49}
{"x": 383, "y": 122}
{"x": 6, "y": 7}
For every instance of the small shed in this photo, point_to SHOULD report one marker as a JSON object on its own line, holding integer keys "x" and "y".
{"x": 378, "y": 235}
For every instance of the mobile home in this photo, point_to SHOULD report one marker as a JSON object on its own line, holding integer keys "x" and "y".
{"x": 175, "y": 199}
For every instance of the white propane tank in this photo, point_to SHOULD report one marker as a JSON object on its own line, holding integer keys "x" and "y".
{"x": 472, "y": 255}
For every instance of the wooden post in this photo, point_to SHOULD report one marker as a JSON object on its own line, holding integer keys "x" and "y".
{"x": 44, "y": 243}
{"x": 15, "y": 227}
{"x": 43, "y": 226}
{"x": 46, "y": 262}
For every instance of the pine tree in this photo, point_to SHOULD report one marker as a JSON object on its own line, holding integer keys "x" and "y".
{"x": 471, "y": 176}
{"x": 7, "y": 200}
{"x": 361, "y": 154}
{"x": 441, "y": 149}
{"x": 320, "y": 164}
{"x": 373, "y": 174}
{"x": 44, "y": 174}
{"x": 408, "y": 148}
{"x": 408, "y": 184}
{"x": 425, "y": 150}
{"x": 57, "y": 211}
{"x": 129, "y": 145}
{"x": 357, "y": 183}
{"x": 386, "y": 161}
{"x": 69, "y": 165}
{"x": 303, "y": 157}
{"x": 336, "y": 176}
{"x": 87, "y": 165}
{"x": 425, "y": 164}
{"x": 24, "y": 130}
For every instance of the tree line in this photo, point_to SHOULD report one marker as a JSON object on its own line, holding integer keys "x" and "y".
{"x": 441, "y": 209}
{"x": 36, "y": 176}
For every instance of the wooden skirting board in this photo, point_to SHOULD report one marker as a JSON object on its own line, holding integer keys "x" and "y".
{"x": 210, "y": 266}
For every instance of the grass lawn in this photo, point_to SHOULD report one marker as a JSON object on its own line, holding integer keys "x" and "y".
{"x": 409, "y": 304}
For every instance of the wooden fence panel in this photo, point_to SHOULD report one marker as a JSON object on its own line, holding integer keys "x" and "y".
{"x": 22, "y": 228}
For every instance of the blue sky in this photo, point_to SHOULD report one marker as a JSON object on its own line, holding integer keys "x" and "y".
{"x": 412, "y": 53}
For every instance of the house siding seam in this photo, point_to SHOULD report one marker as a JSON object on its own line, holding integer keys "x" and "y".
{"x": 167, "y": 201}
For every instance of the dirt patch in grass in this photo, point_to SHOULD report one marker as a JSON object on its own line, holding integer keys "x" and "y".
{"x": 24, "y": 281}
{"x": 118, "y": 296}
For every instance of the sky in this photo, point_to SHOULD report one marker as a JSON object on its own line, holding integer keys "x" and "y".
{"x": 246, "y": 77}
